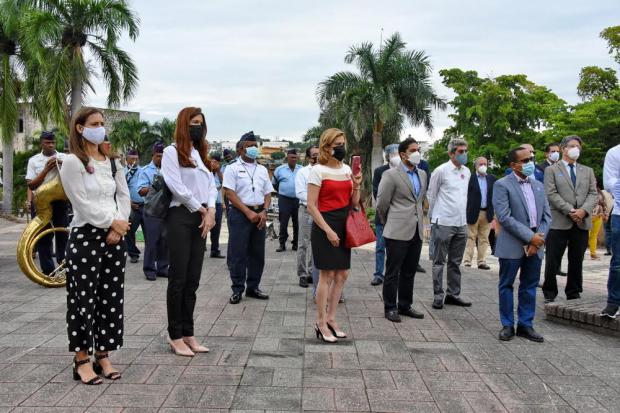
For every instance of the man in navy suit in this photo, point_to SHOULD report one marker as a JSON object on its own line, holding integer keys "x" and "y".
{"x": 524, "y": 216}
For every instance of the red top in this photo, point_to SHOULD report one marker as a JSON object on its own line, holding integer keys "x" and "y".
{"x": 336, "y": 186}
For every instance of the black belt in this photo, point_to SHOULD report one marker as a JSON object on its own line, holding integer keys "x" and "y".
{"x": 256, "y": 208}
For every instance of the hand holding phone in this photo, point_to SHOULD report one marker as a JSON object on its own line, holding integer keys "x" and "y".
{"x": 356, "y": 165}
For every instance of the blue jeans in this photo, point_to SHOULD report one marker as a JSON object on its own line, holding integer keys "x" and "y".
{"x": 529, "y": 269}
{"x": 613, "y": 282}
{"x": 607, "y": 227}
{"x": 379, "y": 251}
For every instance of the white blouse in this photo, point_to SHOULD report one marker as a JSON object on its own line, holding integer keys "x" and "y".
{"x": 92, "y": 195}
{"x": 191, "y": 187}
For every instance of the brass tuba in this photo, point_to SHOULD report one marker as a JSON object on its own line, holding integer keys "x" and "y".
{"x": 37, "y": 228}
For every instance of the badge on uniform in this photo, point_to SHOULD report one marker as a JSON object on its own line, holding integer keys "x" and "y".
{"x": 462, "y": 176}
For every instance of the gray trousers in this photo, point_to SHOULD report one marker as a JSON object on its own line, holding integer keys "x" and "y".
{"x": 449, "y": 243}
{"x": 304, "y": 251}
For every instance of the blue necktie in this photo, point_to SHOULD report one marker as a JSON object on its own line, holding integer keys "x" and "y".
{"x": 573, "y": 177}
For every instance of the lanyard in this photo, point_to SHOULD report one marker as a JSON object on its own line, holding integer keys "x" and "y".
{"x": 248, "y": 172}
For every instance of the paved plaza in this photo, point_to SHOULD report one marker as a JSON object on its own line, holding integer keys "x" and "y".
{"x": 265, "y": 357}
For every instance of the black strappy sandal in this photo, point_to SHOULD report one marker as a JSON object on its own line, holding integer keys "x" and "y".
{"x": 115, "y": 375}
{"x": 76, "y": 376}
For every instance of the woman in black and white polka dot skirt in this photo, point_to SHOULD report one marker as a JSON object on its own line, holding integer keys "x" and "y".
{"x": 96, "y": 251}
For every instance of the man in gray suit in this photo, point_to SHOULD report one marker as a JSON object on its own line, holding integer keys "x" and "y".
{"x": 571, "y": 190}
{"x": 399, "y": 207}
{"x": 523, "y": 213}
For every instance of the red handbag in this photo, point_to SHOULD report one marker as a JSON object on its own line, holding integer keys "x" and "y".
{"x": 358, "y": 229}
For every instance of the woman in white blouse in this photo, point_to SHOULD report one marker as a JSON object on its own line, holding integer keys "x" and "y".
{"x": 96, "y": 251}
{"x": 189, "y": 219}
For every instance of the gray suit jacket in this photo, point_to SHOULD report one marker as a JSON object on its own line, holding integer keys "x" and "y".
{"x": 398, "y": 208}
{"x": 563, "y": 196}
{"x": 512, "y": 214}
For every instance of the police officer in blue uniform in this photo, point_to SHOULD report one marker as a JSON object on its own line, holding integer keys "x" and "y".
{"x": 248, "y": 189}
{"x": 132, "y": 172}
{"x": 288, "y": 204}
{"x": 155, "y": 240}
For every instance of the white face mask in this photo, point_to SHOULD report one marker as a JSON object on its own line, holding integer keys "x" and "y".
{"x": 414, "y": 158}
{"x": 94, "y": 135}
{"x": 482, "y": 169}
{"x": 573, "y": 153}
{"x": 554, "y": 156}
{"x": 394, "y": 161}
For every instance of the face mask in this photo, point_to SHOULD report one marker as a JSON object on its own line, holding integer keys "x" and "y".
{"x": 554, "y": 157}
{"x": 528, "y": 169}
{"x": 573, "y": 153}
{"x": 414, "y": 158}
{"x": 394, "y": 161}
{"x": 482, "y": 169}
{"x": 461, "y": 158}
{"x": 195, "y": 133}
{"x": 252, "y": 152}
{"x": 338, "y": 152}
{"x": 94, "y": 135}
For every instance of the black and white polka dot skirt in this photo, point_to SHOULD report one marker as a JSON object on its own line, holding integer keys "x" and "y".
{"x": 95, "y": 281}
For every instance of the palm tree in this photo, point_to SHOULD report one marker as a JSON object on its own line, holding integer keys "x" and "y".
{"x": 165, "y": 130}
{"x": 68, "y": 29}
{"x": 129, "y": 134}
{"x": 393, "y": 84}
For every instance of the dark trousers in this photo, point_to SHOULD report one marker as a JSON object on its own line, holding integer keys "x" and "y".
{"x": 187, "y": 251}
{"x": 528, "y": 281}
{"x": 246, "y": 250}
{"x": 558, "y": 240}
{"x": 136, "y": 218}
{"x": 613, "y": 282}
{"x": 215, "y": 231}
{"x": 288, "y": 208}
{"x": 155, "y": 246}
{"x": 45, "y": 248}
{"x": 95, "y": 277}
{"x": 401, "y": 263}
{"x": 608, "y": 233}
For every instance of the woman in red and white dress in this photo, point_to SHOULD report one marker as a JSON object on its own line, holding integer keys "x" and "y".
{"x": 332, "y": 190}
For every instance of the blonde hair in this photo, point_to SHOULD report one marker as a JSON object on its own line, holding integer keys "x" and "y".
{"x": 327, "y": 138}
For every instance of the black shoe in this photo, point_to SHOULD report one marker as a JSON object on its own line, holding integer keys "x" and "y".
{"x": 376, "y": 281}
{"x": 114, "y": 375}
{"x": 309, "y": 279}
{"x": 611, "y": 312}
{"x": 420, "y": 269}
{"x": 393, "y": 316}
{"x": 341, "y": 301}
{"x": 529, "y": 333}
{"x": 151, "y": 277}
{"x": 303, "y": 282}
{"x": 573, "y": 297}
{"x": 294, "y": 247}
{"x": 76, "y": 375}
{"x": 217, "y": 255}
{"x": 281, "y": 248}
{"x": 162, "y": 275}
{"x": 561, "y": 274}
{"x": 453, "y": 300}
{"x": 410, "y": 312}
{"x": 467, "y": 264}
{"x": 483, "y": 266}
{"x": 507, "y": 333}
{"x": 235, "y": 298}
{"x": 133, "y": 260}
{"x": 437, "y": 304}
{"x": 549, "y": 300}
{"x": 607, "y": 253}
{"x": 258, "y": 294}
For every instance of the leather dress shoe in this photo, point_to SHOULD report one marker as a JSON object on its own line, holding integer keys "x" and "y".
{"x": 217, "y": 255}
{"x": 151, "y": 277}
{"x": 309, "y": 279}
{"x": 258, "y": 294}
{"x": 420, "y": 269}
{"x": 483, "y": 266}
{"x": 437, "y": 303}
{"x": 162, "y": 275}
{"x": 453, "y": 300}
{"x": 376, "y": 281}
{"x": 507, "y": 333}
{"x": 410, "y": 312}
{"x": 529, "y": 333}
{"x": 235, "y": 298}
{"x": 303, "y": 282}
{"x": 561, "y": 273}
{"x": 133, "y": 260}
{"x": 573, "y": 297}
{"x": 281, "y": 248}
{"x": 393, "y": 316}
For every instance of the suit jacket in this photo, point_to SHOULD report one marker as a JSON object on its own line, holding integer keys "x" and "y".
{"x": 563, "y": 196}
{"x": 512, "y": 214}
{"x": 376, "y": 179}
{"x": 474, "y": 197}
{"x": 398, "y": 208}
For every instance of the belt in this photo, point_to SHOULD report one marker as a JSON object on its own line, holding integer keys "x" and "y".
{"x": 256, "y": 208}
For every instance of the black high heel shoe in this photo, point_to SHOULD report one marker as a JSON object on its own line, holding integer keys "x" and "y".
{"x": 319, "y": 334}
{"x": 115, "y": 375}
{"x": 76, "y": 376}
{"x": 338, "y": 334}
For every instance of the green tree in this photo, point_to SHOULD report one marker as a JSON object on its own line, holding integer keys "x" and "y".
{"x": 596, "y": 81}
{"x": 164, "y": 129}
{"x": 612, "y": 36}
{"x": 131, "y": 133}
{"x": 277, "y": 155}
{"x": 393, "y": 84}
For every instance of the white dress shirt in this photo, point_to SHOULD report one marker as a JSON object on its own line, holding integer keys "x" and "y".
{"x": 567, "y": 167}
{"x": 191, "y": 187}
{"x": 92, "y": 195}
{"x": 37, "y": 163}
{"x": 611, "y": 174}
{"x": 447, "y": 195}
{"x": 301, "y": 184}
{"x": 250, "y": 181}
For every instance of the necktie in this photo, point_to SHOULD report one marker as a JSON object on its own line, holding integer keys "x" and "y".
{"x": 573, "y": 177}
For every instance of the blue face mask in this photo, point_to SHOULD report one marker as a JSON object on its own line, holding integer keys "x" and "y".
{"x": 528, "y": 169}
{"x": 461, "y": 158}
{"x": 252, "y": 152}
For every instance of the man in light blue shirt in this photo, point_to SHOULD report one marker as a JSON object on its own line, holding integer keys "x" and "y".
{"x": 288, "y": 204}
{"x": 611, "y": 182}
{"x": 132, "y": 171}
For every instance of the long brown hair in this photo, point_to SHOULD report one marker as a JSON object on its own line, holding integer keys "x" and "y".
{"x": 76, "y": 140}
{"x": 183, "y": 140}
{"x": 327, "y": 138}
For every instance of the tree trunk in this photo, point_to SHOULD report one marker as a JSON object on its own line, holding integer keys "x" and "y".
{"x": 377, "y": 150}
{"x": 7, "y": 176}
{"x": 76, "y": 93}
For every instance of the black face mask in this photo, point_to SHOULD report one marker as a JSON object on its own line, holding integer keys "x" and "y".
{"x": 339, "y": 152}
{"x": 195, "y": 133}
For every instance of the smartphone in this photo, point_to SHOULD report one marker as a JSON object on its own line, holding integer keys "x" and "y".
{"x": 356, "y": 164}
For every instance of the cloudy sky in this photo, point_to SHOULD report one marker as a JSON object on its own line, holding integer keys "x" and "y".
{"x": 256, "y": 64}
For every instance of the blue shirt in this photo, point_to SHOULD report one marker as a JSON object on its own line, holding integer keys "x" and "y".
{"x": 414, "y": 178}
{"x": 482, "y": 182}
{"x": 145, "y": 179}
{"x": 131, "y": 175}
{"x": 285, "y": 178}
{"x": 218, "y": 185}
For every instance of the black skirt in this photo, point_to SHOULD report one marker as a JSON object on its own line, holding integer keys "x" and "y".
{"x": 326, "y": 256}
